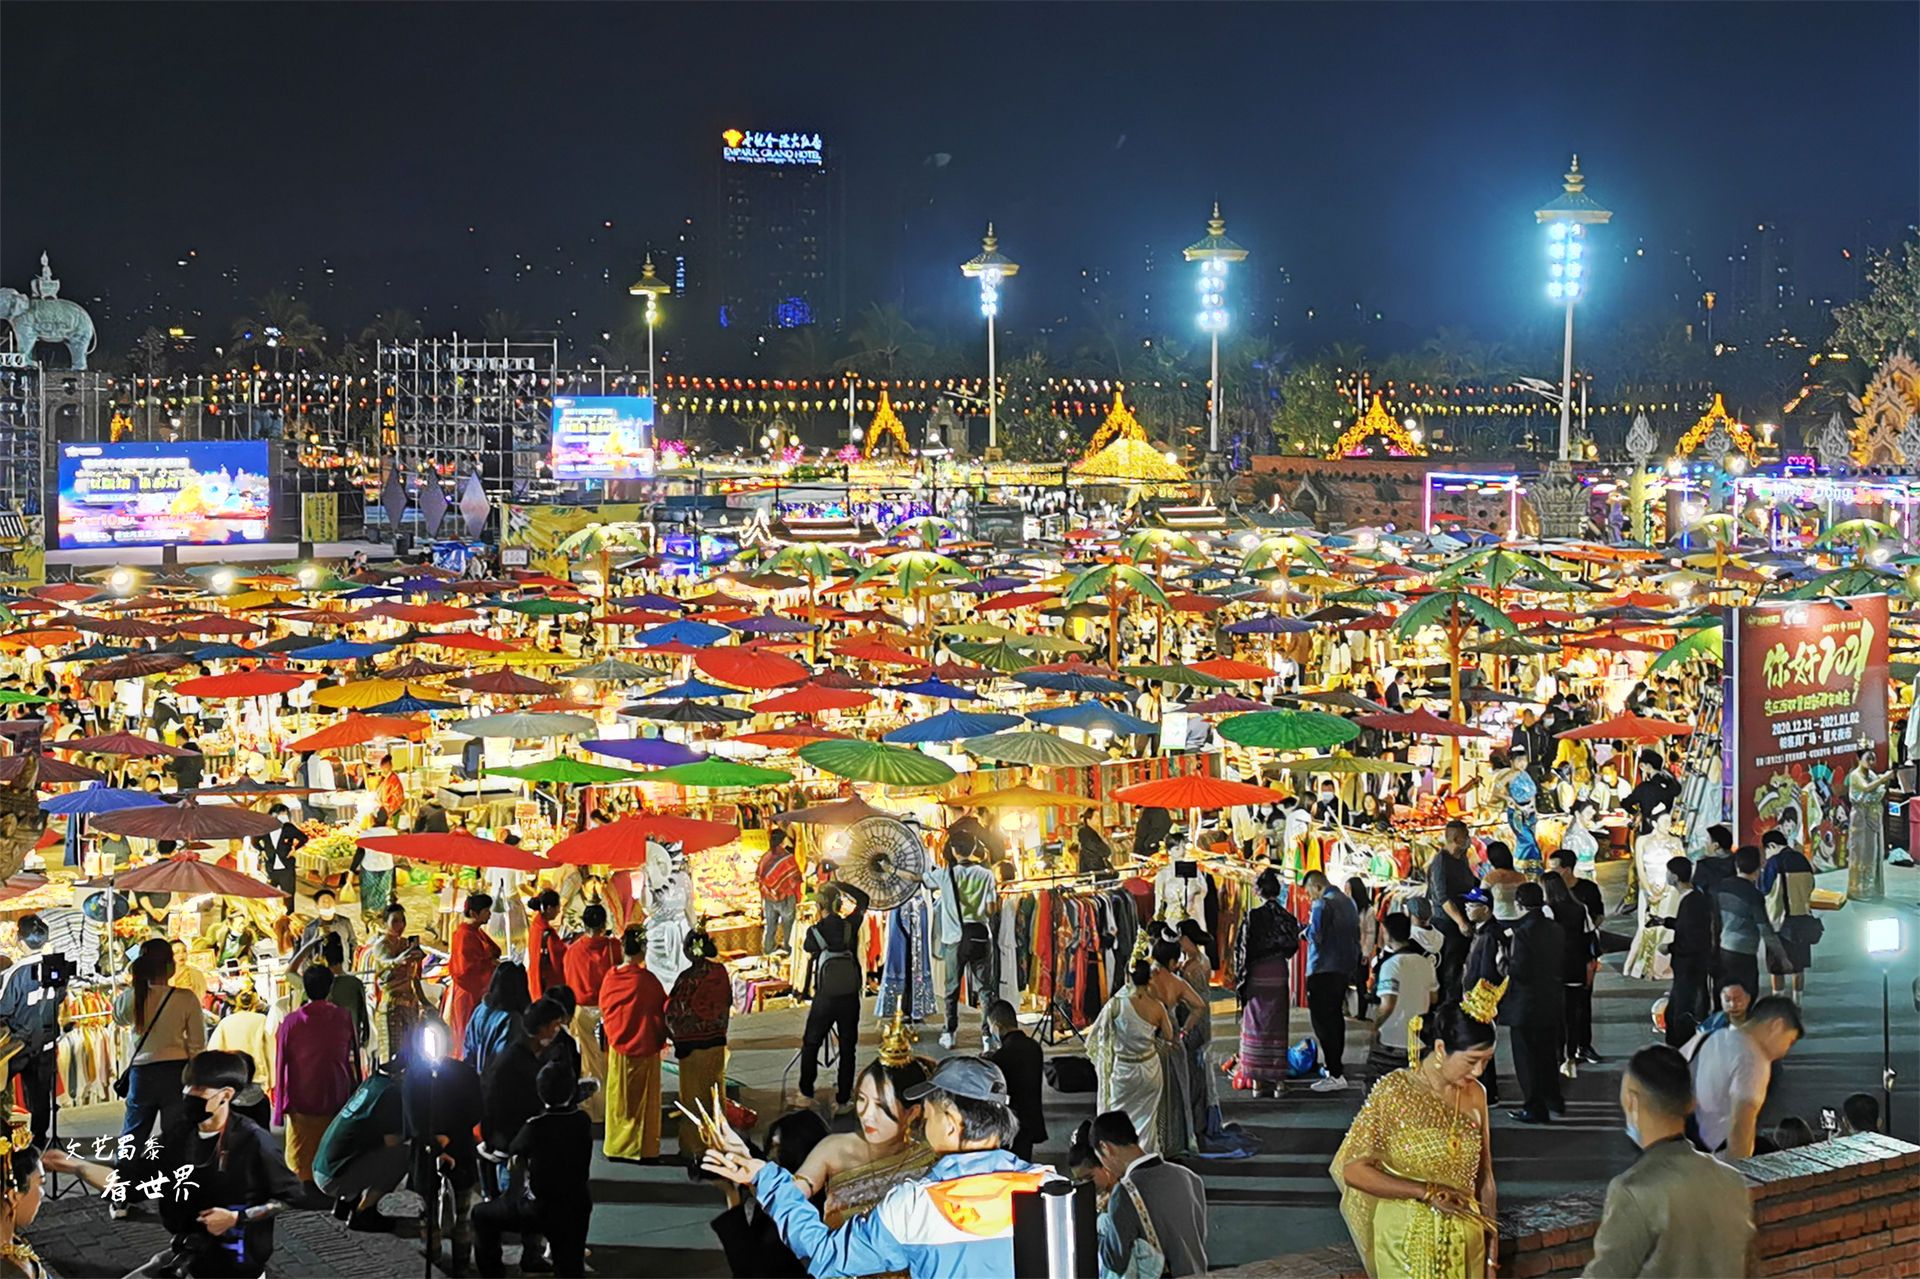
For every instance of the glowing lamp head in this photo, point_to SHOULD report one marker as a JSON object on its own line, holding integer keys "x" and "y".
{"x": 122, "y": 580}
{"x": 309, "y": 577}
{"x": 223, "y": 580}
{"x": 1884, "y": 938}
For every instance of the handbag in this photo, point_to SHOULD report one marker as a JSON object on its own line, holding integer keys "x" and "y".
{"x": 1148, "y": 1260}
{"x": 1803, "y": 930}
{"x": 124, "y": 1084}
{"x": 1071, "y": 1074}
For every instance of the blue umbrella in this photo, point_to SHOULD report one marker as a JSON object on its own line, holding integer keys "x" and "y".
{"x": 1269, "y": 624}
{"x": 692, "y": 634}
{"x": 692, "y": 689}
{"x": 656, "y": 752}
{"x": 950, "y": 726}
{"x": 1091, "y": 715}
{"x": 93, "y": 653}
{"x": 338, "y": 651}
{"x": 408, "y": 703}
{"x": 370, "y": 593}
{"x": 1071, "y": 682}
{"x": 652, "y": 600}
{"x": 95, "y": 798}
{"x": 423, "y": 586}
{"x": 939, "y": 688}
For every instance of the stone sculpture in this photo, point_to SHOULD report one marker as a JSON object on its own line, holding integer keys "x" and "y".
{"x": 47, "y": 317}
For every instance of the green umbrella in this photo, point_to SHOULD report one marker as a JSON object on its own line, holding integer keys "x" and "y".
{"x": 1706, "y": 642}
{"x": 876, "y": 762}
{"x": 1364, "y": 595}
{"x": 911, "y": 570}
{"x": 1175, "y": 675}
{"x": 9, "y": 697}
{"x": 573, "y": 771}
{"x": 716, "y": 772}
{"x": 1279, "y": 550}
{"x": 545, "y": 607}
{"x": 998, "y": 657}
{"x": 1047, "y": 644}
{"x": 1109, "y": 578}
{"x": 1345, "y": 764}
{"x": 1289, "y": 730}
{"x": 1039, "y": 750}
{"x": 1513, "y": 646}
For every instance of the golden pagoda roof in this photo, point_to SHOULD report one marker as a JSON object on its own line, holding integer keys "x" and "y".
{"x": 1131, "y": 461}
{"x": 1717, "y": 415}
{"x": 1377, "y": 421}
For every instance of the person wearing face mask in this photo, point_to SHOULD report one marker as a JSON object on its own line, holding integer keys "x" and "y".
{"x": 327, "y": 922}
{"x": 1676, "y": 1212}
{"x": 1415, "y": 1171}
{"x": 223, "y": 1225}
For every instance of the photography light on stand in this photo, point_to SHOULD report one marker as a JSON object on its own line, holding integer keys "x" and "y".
{"x": 1886, "y": 940}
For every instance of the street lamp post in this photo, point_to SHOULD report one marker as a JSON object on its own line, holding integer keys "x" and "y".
{"x": 1214, "y": 252}
{"x": 1886, "y": 939}
{"x": 1567, "y": 218}
{"x": 990, "y": 268}
{"x": 650, "y": 286}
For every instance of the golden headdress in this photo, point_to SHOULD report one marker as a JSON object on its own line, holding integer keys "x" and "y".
{"x": 896, "y": 1041}
{"x": 1483, "y": 1001}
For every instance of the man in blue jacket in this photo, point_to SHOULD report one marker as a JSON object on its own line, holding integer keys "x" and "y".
{"x": 953, "y": 1223}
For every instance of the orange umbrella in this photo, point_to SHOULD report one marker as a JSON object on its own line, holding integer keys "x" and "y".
{"x": 750, "y": 668}
{"x": 357, "y": 730}
{"x": 43, "y": 637}
{"x": 1015, "y": 599}
{"x": 1639, "y": 728}
{"x": 1230, "y": 668}
{"x": 65, "y": 592}
{"x": 1195, "y": 790}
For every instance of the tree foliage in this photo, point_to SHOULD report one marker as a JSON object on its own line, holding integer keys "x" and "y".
{"x": 1311, "y": 402}
{"x": 1888, "y": 317}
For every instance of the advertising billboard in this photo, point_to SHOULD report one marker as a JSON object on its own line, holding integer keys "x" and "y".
{"x": 1809, "y": 681}
{"x": 750, "y": 146}
{"x": 602, "y": 437}
{"x": 192, "y": 493}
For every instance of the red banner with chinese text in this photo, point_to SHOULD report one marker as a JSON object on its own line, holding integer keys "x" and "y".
{"x": 1809, "y": 685}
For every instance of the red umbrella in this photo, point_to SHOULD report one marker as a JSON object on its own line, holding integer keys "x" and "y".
{"x": 187, "y": 875}
{"x": 957, "y": 672}
{"x": 123, "y": 627}
{"x": 426, "y": 614}
{"x": 1421, "y": 722}
{"x": 120, "y": 744}
{"x": 65, "y": 592}
{"x": 750, "y": 668}
{"x": 240, "y": 684}
{"x": 623, "y": 844}
{"x": 53, "y": 772}
{"x": 1195, "y": 790}
{"x": 357, "y": 730}
{"x": 876, "y": 652}
{"x": 1015, "y": 599}
{"x": 1230, "y": 668}
{"x": 186, "y": 821}
{"x": 634, "y": 617}
{"x": 805, "y": 701}
{"x": 455, "y": 849}
{"x": 504, "y": 680}
{"x": 1637, "y": 728}
{"x": 1188, "y": 602}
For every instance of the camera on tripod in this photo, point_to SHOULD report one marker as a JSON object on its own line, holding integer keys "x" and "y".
{"x": 56, "y": 971}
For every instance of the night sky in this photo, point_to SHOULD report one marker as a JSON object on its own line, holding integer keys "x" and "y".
{"x": 456, "y": 158}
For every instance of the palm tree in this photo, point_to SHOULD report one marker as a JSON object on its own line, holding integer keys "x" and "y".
{"x": 500, "y": 325}
{"x": 283, "y": 321}
{"x": 396, "y": 324}
{"x": 886, "y": 339}
{"x": 803, "y": 352}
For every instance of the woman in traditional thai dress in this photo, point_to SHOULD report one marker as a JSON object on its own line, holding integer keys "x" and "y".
{"x": 1264, "y": 949}
{"x": 1133, "y": 1046}
{"x": 1415, "y": 1171}
{"x": 1866, "y": 830}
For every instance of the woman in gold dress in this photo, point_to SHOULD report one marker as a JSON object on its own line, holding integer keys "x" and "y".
{"x": 852, "y": 1171}
{"x": 1416, "y": 1171}
{"x": 21, "y": 1161}
{"x": 396, "y": 973}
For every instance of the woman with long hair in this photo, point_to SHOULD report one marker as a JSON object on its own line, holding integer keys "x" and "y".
{"x": 495, "y": 1024}
{"x": 168, "y": 1028}
{"x": 849, "y": 1172}
{"x": 1416, "y": 1170}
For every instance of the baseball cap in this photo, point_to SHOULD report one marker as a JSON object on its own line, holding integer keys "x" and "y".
{"x": 1477, "y": 895}
{"x": 974, "y": 1077}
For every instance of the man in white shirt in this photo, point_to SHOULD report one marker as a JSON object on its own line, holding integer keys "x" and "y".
{"x": 1406, "y": 985}
{"x": 965, "y": 896}
{"x": 1731, "y": 1070}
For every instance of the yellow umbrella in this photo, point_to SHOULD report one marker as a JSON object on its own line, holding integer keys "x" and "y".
{"x": 532, "y": 657}
{"x": 1022, "y": 796}
{"x": 256, "y": 599}
{"x": 375, "y": 692}
{"x": 1316, "y": 582}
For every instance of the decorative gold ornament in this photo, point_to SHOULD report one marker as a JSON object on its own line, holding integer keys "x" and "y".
{"x": 1717, "y": 417}
{"x": 1483, "y": 1001}
{"x": 1377, "y": 421}
{"x": 1120, "y": 424}
{"x": 896, "y": 1041}
{"x": 886, "y": 422}
{"x": 1893, "y": 396}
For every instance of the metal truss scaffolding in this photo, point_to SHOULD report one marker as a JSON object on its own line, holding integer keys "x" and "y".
{"x": 468, "y": 406}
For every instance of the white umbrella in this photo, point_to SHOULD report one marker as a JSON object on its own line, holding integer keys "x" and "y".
{"x": 523, "y": 725}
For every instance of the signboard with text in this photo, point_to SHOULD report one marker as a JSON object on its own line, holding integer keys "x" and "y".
{"x": 602, "y": 437}
{"x": 188, "y": 493}
{"x": 744, "y": 146}
{"x": 1809, "y": 683}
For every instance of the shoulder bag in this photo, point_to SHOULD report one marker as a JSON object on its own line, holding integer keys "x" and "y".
{"x": 1148, "y": 1260}
{"x": 124, "y": 1084}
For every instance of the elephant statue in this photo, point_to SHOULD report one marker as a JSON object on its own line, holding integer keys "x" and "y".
{"x": 37, "y": 320}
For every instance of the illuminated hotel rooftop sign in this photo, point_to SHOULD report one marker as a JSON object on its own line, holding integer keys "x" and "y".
{"x": 771, "y": 148}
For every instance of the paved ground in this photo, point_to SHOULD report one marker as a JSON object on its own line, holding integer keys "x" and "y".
{"x": 653, "y": 1221}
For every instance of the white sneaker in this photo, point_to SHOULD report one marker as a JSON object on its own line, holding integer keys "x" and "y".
{"x": 1330, "y": 1083}
{"x": 1569, "y": 1069}
{"x": 946, "y": 1039}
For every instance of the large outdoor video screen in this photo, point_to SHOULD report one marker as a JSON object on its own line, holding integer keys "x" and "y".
{"x": 195, "y": 493}
{"x": 602, "y": 437}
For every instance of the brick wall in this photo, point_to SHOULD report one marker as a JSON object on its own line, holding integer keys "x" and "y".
{"x": 1844, "y": 1207}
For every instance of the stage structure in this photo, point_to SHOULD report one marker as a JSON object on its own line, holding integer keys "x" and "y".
{"x": 458, "y": 407}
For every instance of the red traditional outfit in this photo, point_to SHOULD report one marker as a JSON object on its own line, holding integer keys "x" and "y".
{"x": 546, "y": 957}
{"x": 470, "y": 965}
